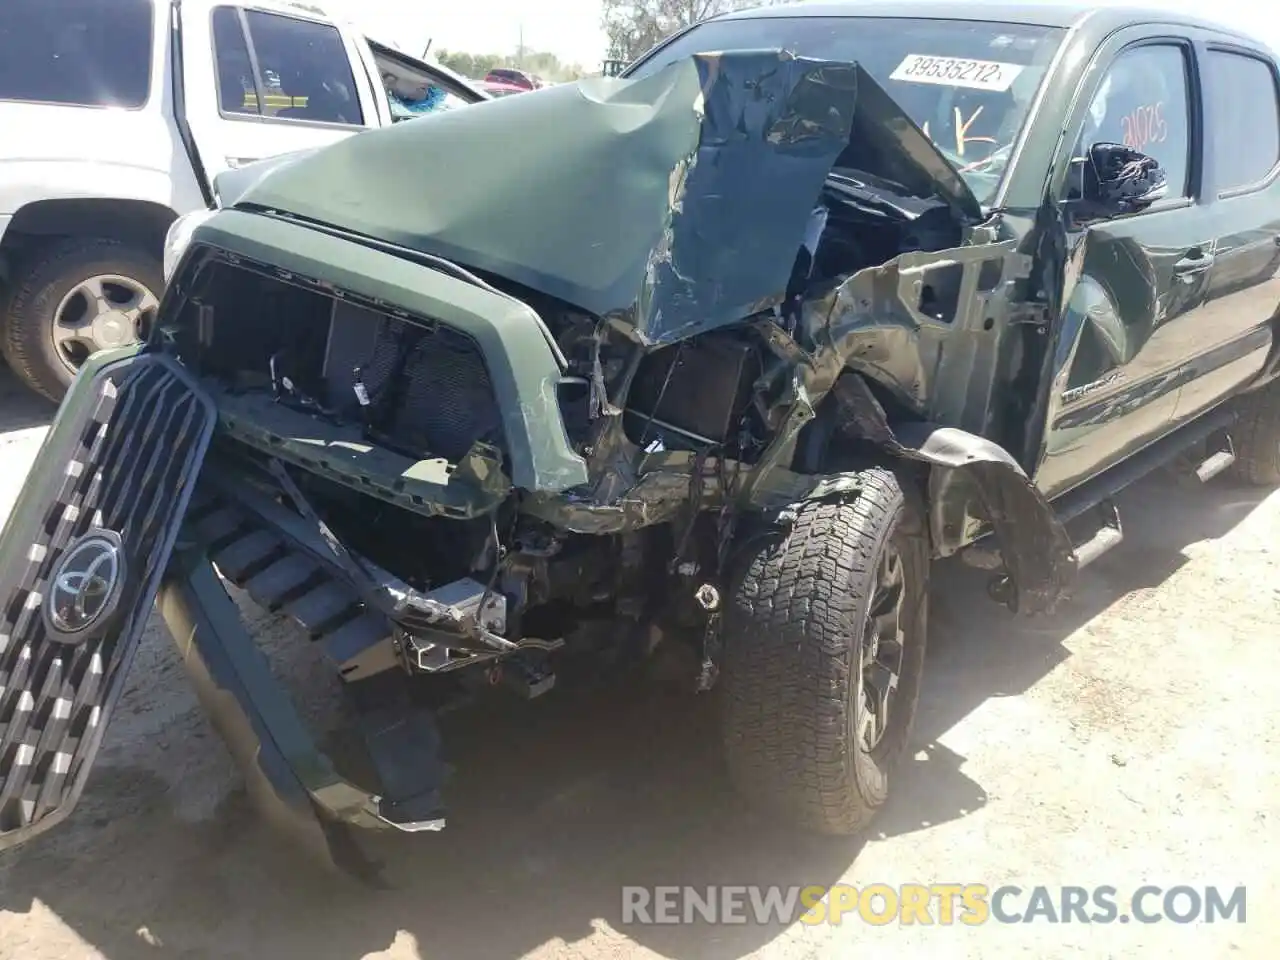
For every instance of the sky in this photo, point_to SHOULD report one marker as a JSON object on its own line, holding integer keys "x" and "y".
{"x": 568, "y": 28}
{"x": 571, "y": 28}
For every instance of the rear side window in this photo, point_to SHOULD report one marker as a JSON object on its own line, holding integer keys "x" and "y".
{"x": 77, "y": 52}
{"x": 1243, "y": 114}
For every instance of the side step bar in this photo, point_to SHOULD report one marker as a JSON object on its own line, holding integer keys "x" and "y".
{"x": 1163, "y": 451}
{"x": 1219, "y": 460}
{"x": 1213, "y": 428}
{"x": 1110, "y": 535}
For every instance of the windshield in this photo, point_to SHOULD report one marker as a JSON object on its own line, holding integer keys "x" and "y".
{"x": 966, "y": 83}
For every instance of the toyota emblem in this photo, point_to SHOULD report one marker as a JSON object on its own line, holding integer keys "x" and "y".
{"x": 85, "y": 586}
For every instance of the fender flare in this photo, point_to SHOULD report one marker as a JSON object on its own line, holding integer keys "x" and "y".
{"x": 973, "y": 483}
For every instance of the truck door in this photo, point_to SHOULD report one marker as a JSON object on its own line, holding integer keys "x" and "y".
{"x": 1242, "y": 170}
{"x": 1135, "y": 284}
{"x": 259, "y": 83}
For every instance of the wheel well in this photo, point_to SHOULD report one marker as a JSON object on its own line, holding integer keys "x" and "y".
{"x": 968, "y": 483}
{"x": 139, "y": 223}
{"x": 823, "y": 447}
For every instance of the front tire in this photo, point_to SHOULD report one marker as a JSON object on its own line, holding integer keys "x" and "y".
{"x": 74, "y": 298}
{"x": 821, "y": 621}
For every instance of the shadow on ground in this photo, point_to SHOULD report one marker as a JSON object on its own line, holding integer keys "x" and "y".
{"x": 20, "y": 407}
{"x": 559, "y": 804}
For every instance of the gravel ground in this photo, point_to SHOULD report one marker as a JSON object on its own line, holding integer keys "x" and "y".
{"x": 1130, "y": 739}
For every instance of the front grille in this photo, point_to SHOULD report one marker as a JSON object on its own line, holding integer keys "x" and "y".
{"x": 431, "y": 391}
{"x": 120, "y": 463}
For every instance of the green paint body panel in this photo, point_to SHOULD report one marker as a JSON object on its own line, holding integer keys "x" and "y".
{"x": 522, "y": 364}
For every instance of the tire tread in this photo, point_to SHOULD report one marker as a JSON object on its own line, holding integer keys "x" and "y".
{"x": 788, "y": 659}
{"x": 1257, "y": 437}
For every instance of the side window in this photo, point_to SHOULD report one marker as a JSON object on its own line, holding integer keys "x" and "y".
{"x": 1243, "y": 116}
{"x": 306, "y": 74}
{"x": 77, "y": 52}
{"x": 1143, "y": 103}
{"x": 235, "y": 71}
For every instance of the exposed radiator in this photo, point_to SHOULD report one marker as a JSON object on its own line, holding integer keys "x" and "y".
{"x": 430, "y": 391}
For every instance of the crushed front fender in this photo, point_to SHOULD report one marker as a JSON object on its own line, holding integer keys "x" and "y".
{"x": 975, "y": 484}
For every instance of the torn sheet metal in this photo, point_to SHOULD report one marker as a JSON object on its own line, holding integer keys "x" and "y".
{"x": 943, "y": 367}
{"x": 975, "y": 483}
{"x": 718, "y": 170}
{"x": 672, "y": 204}
{"x": 662, "y": 491}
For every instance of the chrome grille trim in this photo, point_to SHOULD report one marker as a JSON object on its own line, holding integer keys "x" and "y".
{"x": 122, "y": 456}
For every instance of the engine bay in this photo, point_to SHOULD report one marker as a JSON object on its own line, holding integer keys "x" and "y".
{"x": 713, "y": 391}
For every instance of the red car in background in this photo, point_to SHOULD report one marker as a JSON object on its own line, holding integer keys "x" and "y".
{"x": 495, "y": 89}
{"x": 514, "y": 78}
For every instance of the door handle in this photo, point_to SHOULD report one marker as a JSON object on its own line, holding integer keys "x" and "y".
{"x": 1197, "y": 260}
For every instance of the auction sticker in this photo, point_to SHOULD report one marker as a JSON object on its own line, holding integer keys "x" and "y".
{"x": 956, "y": 72}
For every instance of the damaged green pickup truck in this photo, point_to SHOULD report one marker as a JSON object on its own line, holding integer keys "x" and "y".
{"x": 808, "y": 299}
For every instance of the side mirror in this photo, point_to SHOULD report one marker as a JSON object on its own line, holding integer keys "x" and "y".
{"x": 1114, "y": 180}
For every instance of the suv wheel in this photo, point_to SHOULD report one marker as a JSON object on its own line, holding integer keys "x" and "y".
{"x": 823, "y": 656}
{"x": 77, "y": 297}
{"x": 1257, "y": 437}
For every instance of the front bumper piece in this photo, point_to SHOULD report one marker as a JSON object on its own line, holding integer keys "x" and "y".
{"x": 81, "y": 558}
{"x": 120, "y": 467}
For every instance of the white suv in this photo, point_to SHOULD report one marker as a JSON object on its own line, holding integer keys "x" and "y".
{"x": 116, "y": 115}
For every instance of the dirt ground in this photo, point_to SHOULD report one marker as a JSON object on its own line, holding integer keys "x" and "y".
{"x": 1130, "y": 739}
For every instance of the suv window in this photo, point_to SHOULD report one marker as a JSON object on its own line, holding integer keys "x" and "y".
{"x": 235, "y": 71}
{"x": 80, "y": 52}
{"x": 1243, "y": 116}
{"x": 1143, "y": 103}
{"x": 304, "y": 72}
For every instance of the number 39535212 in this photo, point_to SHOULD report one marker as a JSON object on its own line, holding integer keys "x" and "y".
{"x": 945, "y": 68}
{"x": 988, "y": 75}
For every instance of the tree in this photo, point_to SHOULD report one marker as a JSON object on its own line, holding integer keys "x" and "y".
{"x": 476, "y": 65}
{"x": 633, "y": 26}
{"x": 467, "y": 64}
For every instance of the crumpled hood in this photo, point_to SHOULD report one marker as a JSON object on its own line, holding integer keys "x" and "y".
{"x": 675, "y": 203}
{"x": 230, "y": 185}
